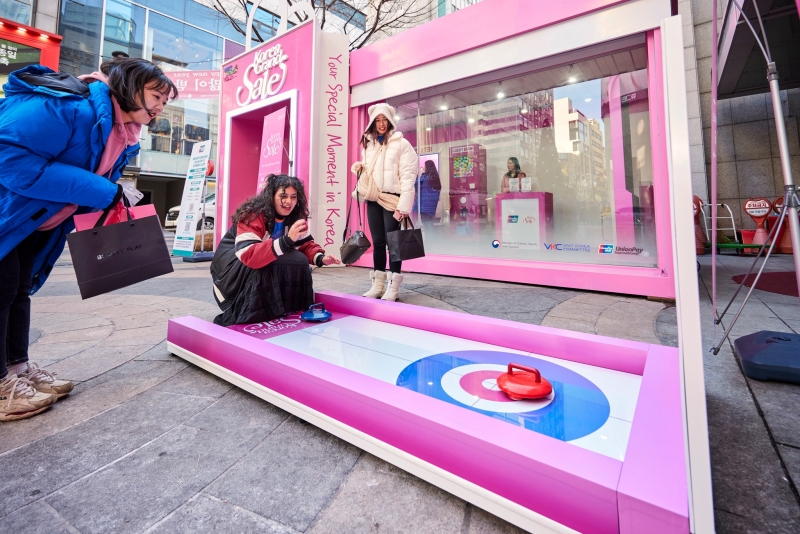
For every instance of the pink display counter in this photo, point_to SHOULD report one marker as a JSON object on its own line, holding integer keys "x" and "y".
{"x": 524, "y": 220}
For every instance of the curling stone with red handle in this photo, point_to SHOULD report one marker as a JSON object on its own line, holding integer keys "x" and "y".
{"x": 529, "y": 384}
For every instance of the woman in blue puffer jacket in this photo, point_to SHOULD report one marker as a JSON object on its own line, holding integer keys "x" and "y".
{"x": 64, "y": 142}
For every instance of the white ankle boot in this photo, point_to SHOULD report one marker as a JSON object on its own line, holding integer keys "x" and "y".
{"x": 395, "y": 279}
{"x": 378, "y": 284}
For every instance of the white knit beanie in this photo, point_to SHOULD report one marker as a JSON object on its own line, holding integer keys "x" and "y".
{"x": 382, "y": 109}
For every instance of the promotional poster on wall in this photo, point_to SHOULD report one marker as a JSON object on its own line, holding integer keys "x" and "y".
{"x": 274, "y": 147}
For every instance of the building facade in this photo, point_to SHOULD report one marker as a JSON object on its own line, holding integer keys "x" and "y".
{"x": 747, "y": 148}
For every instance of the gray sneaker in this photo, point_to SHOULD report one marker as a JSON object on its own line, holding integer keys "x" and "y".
{"x": 46, "y": 382}
{"x": 19, "y": 399}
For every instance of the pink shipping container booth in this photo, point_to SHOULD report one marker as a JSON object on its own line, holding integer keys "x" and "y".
{"x": 587, "y": 100}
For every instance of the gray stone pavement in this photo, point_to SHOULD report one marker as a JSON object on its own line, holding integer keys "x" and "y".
{"x": 149, "y": 443}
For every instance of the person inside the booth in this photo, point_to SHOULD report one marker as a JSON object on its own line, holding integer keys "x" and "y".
{"x": 512, "y": 179}
{"x": 260, "y": 269}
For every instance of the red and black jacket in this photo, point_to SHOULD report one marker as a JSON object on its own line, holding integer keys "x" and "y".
{"x": 250, "y": 246}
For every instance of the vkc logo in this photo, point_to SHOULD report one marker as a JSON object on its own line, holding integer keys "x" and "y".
{"x": 552, "y": 246}
{"x": 606, "y": 249}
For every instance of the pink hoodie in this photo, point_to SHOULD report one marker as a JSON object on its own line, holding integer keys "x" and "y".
{"x": 123, "y": 135}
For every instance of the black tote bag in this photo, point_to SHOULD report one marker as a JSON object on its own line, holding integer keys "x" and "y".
{"x": 405, "y": 244}
{"x": 111, "y": 257}
{"x": 356, "y": 244}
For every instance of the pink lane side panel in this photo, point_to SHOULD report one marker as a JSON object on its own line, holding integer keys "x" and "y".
{"x": 610, "y": 353}
{"x": 479, "y": 25}
{"x": 653, "y": 492}
{"x": 571, "y": 485}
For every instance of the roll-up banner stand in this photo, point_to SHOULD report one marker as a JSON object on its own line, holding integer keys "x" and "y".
{"x": 192, "y": 200}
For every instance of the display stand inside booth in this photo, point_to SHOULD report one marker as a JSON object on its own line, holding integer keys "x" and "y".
{"x": 621, "y": 443}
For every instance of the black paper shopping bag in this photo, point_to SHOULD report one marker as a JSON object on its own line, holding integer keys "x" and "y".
{"x": 405, "y": 244}
{"x": 118, "y": 255}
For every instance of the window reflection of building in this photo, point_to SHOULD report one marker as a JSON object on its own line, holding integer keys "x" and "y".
{"x": 558, "y": 123}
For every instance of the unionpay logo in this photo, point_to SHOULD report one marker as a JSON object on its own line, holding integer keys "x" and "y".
{"x": 513, "y": 218}
{"x": 606, "y": 249}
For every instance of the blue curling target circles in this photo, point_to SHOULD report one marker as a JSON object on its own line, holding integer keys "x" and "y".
{"x": 576, "y": 408}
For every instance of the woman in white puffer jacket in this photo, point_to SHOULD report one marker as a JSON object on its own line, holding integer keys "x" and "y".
{"x": 388, "y": 170}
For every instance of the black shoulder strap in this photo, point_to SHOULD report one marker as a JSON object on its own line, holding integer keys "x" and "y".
{"x": 58, "y": 81}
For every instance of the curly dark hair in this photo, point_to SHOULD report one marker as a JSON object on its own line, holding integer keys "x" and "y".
{"x": 263, "y": 204}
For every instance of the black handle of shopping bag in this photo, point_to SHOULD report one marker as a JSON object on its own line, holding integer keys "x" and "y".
{"x": 349, "y": 207}
{"x": 102, "y": 219}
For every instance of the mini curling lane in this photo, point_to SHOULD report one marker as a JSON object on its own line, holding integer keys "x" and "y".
{"x": 601, "y": 451}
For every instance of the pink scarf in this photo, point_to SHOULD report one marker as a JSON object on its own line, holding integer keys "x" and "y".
{"x": 122, "y": 136}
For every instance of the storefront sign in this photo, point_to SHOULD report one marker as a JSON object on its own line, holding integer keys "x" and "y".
{"x": 14, "y": 56}
{"x": 274, "y": 149}
{"x": 264, "y": 77}
{"x": 194, "y": 84}
{"x": 192, "y": 199}
{"x": 332, "y": 168}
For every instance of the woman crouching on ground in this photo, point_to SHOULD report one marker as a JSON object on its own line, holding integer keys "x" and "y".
{"x": 261, "y": 269}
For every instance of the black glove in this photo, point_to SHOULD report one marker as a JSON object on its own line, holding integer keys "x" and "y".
{"x": 117, "y": 197}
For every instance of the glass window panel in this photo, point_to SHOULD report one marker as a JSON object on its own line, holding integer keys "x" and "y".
{"x": 201, "y": 50}
{"x": 165, "y": 40}
{"x": 124, "y": 29}
{"x": 579, "y": 133}
{"x": 205, "y": 17}
{"x": 176, "y": 47}
{"x": 16, "y": 10}
{"x": 173, "y": 8}
{"x": 79, "y": 25}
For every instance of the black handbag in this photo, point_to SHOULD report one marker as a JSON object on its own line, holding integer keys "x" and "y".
{"x": 111, "y": 257}
{"x": 357, "y": 243}
{"x": 405, "y": 244}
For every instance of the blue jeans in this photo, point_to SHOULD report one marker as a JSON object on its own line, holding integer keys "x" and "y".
{"x": 15, "y": 303}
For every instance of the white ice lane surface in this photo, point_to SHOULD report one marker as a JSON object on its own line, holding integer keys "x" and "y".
{"x": 383, "y": 350}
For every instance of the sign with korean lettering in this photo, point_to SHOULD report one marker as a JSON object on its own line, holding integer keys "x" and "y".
{"x": 14, "y": 56}
{"x": 194, "y": 84}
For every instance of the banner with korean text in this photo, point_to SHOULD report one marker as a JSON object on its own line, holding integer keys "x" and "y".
{"x": 194, "y": 84}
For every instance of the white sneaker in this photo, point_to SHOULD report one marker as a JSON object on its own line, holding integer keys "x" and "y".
{"x": 19, "y": 399}
{"x": 46, "y": 382}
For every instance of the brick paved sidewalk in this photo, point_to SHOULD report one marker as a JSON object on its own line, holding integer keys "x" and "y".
{"x": 148, "y": 443}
